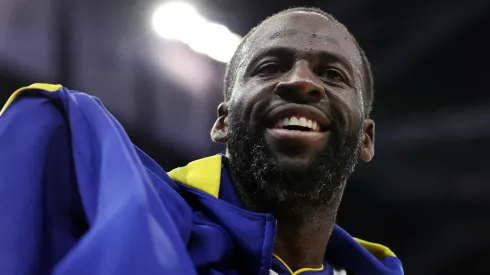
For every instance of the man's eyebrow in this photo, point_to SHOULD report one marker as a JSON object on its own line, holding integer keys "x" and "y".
{"x": 283, "y": 51}
{"x": 273, "y": 51}
{"x": 337, "y": 57}
{"x": 278, "y": 51}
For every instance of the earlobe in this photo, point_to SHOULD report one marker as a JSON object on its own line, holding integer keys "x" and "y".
{"x": 367, "y": 150}
{"x": 219, "y": 132}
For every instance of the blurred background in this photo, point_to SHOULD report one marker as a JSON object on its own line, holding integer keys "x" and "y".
{"x": 158, "y": 67}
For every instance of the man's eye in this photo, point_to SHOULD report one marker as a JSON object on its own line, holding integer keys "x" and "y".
{"x": 332, "y": 74}
{"x": 269, "y": 69}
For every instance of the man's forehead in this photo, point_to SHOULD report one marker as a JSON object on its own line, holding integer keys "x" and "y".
{"x": 301, "y": 20}
{"x": 299, "y": 28}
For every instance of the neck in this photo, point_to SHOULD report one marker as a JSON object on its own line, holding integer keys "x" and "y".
{"x": 302, "y": 234}
{"x": 302, "y": 238}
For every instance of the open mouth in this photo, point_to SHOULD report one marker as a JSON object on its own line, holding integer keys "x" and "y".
{"x": 298, "y": 123}
{"x": 297, "y": 126}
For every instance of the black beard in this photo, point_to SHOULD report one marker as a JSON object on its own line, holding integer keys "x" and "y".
{"x": 265, "y": 186}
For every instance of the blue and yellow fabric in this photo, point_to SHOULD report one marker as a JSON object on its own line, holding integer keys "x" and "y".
{"x": 77, "y": 197}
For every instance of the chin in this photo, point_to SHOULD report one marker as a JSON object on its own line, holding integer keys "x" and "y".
{"x": 294, "y": 163}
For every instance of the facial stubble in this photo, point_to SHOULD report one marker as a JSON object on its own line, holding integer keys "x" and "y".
{"x": 265, "y": 185}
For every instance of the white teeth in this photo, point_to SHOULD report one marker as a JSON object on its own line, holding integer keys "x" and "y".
{"x": 285, "y": 122}
{"x": 314, "y": 126}
{"x": 301, "y": 121}
{"x": 293, "y": 121}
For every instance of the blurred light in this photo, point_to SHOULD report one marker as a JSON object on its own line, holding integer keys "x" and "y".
{"x": 181, "y": 22}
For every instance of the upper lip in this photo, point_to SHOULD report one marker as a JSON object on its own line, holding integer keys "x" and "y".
{"x": 293, "y": 109}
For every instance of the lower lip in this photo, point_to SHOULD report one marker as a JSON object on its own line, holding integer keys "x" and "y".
{"x": 309, "y": 136}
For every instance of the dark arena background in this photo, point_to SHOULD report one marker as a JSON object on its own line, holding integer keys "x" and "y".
{"x": 426, "y": 194}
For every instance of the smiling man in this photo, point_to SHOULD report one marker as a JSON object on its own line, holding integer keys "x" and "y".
{"x": 78, "y": 198}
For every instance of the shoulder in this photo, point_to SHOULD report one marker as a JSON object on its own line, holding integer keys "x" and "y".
{"x": 30, "y": 117}
{"x": 31, "y": 105}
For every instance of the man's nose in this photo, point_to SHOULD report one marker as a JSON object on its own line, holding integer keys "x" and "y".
{"x": 300, "y": 86}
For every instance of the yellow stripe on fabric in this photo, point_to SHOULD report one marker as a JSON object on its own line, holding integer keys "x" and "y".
{"x": 39, "y": 86}
{"x": 379, "y": 251}
{"x": 203, "y": 174}
{"x": 299, "y": 271}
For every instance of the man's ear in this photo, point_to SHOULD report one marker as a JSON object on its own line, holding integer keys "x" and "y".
{"x": 219, "y": 132}
{"x": 367, "y": 150}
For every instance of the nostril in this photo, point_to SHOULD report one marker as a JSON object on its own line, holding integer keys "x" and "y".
{"x": 315, "y": 93}
{"x": 289, "y": 92}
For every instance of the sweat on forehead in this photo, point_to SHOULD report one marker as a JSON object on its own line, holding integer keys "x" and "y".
{"x": 300, "y": 29}
{"x": 297, "y": 18}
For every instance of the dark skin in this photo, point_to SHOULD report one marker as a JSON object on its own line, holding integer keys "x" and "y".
{"x": 302, "y": 61}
